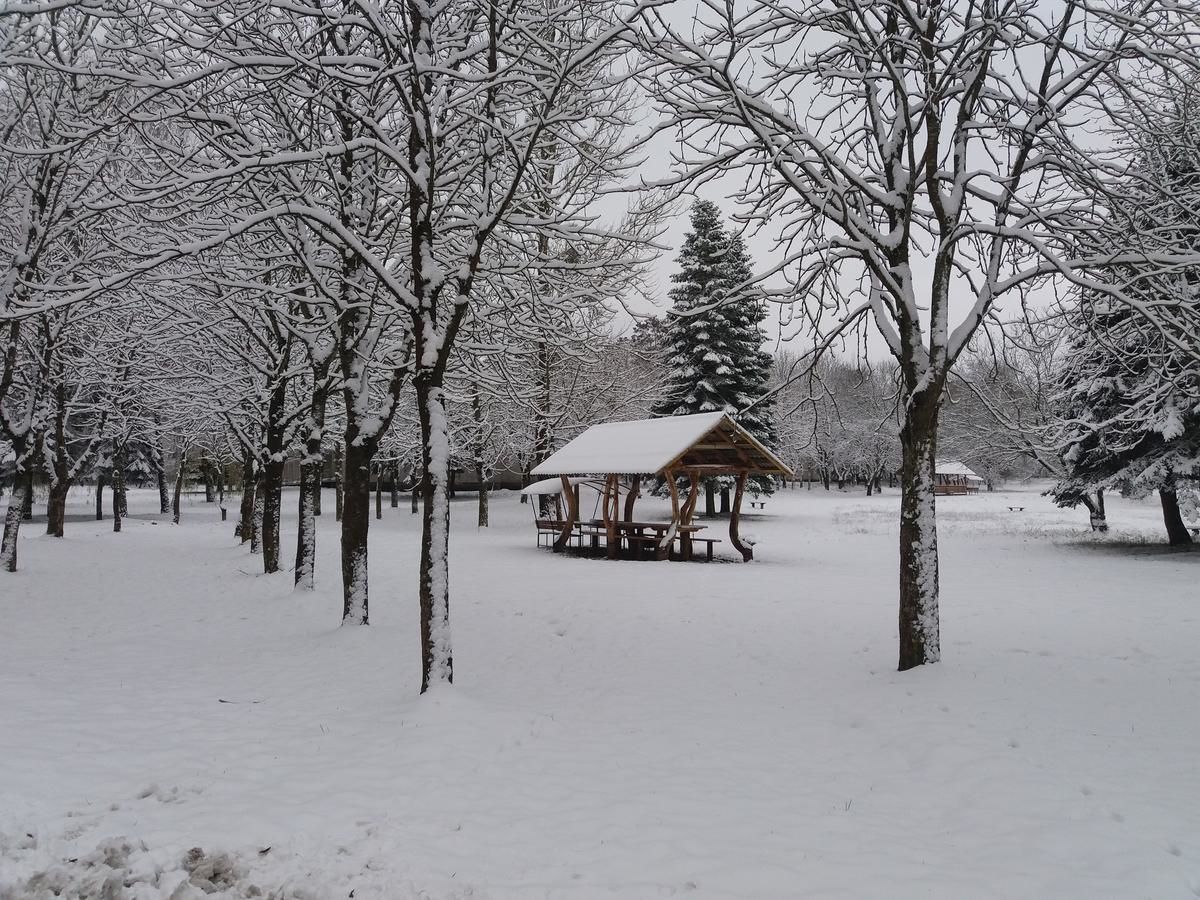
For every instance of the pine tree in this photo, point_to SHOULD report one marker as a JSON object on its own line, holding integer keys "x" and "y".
{"x": 1131, "y": 417}
{"x": 1130, "y": 388}
{"x": 714, "y": 341}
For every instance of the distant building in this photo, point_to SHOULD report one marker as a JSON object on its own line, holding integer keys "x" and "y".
{"x": 954, "y": 477}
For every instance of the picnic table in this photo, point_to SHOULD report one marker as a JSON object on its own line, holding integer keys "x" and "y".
{"x": 638, "y": 536}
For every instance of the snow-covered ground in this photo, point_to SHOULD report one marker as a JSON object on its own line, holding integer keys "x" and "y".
{"x": 617, "y": 730}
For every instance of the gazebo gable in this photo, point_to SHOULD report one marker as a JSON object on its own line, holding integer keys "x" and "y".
{"x": 709, "y": 442}
{"x": 726, "y": 448}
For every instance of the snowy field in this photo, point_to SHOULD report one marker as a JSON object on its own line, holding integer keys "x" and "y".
{"x": 617, "y": 730}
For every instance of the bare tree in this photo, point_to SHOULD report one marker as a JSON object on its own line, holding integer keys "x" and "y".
{"x": 920, "y": 161}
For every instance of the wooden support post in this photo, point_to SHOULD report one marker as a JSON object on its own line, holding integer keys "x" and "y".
{"x": 689, "y": 509}
{"x": 734, "y": 515}
{"x": 611, "y": 505}
{"x": 635, "y": 491}
{"x": 663, "y": 550}
{"x": 564, "y": 538}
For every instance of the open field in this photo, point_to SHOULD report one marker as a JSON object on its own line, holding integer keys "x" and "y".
{"x": 617, "y": 729}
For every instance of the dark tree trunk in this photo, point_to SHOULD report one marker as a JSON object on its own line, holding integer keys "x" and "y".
{"x": 920, "y": 640}
{"x": 1095, "y": 508}
{"x": 272, "y": 501}
{"x": 118, "y": 488}
{"x": 870, "y": 487}
{"x": 311, "y": 469}
{"x": 379, "y": 494}
{"x": 725, "y": 501}
{"x": 164, "y": 498}
{"x": 356, "y": 521}
{"x": 245, "y": 528}
{"x": 100, "y": 482}
{"x": 393, "y": 486}
{"x": 256, "y": 517}
{"x": 437, "y": 661}
{"x": 825, "y": 480}
{"x": 482, "y": 521}
{"x": 12, "y": 523}
{"x": 339, "y": 474}
{"x": 1177, "y": 531}
{"x": 176, "y": 510}
{"x": 56, "y": 507}
{"x": 710, "y": 499}
{"x": 206, "y": 471}
{"x": 27, "y": 502}
{"x": 306, "y": 535}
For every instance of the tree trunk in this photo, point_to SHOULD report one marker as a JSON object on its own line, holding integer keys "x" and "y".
{"x": 1095, "y": 508}
{"x": 27, "y": 502}
{"x": 725, "y": 501}
{"x": 339, "y": 466}
{"x": 245, "y": 528}
{"x": 118, "y": 489}
{"x": 306, "y": 534}
{"x": 165, "y": 504}
{"x": 176, "y": 510}
{"x": 355, "y": 503}
{"x": 437, "y": 661}
{"x": 710, "y": 499}
{"x": 56, "y": 507}
{"x": 393, "y": 487}
{"x": 272, "y": 500}
{"x": 379, "y": 494}
{"x": 870, "y": 486}
{"x": 483, "y": 498}
{"x": 1177, "y": 531}
{"x": 100, "y": 482}
{"x": 919, "y": 625}
{"x": 206, "y": 470}
{"x": 256, "y": 516}
{"x": 12, "y": 523}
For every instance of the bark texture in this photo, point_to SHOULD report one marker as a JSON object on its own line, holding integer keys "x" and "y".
{"x": 437, "y": 662}
{"x": 920, "y": 640}
{"x": 356, "y": 522}
{"x": 12, "y": 523}
{"x": 1177, "y": 532}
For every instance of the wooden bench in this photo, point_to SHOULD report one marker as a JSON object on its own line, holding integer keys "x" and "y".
{"x": 709, "y": 542}
{"x": 1016, "y": 509}
{"x": 759, "y": 504}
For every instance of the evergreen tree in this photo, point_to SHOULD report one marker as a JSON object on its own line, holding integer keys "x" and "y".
{"x": 1130, "y": 388}
{"x": 1130, "y": 413}
{"x": 713, "y": 344}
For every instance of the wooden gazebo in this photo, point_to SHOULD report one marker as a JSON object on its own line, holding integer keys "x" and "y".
{"x": 620, "y": 454}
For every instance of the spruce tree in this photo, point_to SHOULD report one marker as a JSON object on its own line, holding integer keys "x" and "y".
{"x": 1130, "y": 389}
{"x": 714, "y": 341}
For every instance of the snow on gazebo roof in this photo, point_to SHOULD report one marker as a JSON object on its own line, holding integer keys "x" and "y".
{"x": 550, "y": 486}
{"x": 954, "y": 467}
{"x": 648, "y": 446}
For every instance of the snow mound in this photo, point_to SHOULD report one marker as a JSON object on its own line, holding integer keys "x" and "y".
{"x": 121, "y": 869}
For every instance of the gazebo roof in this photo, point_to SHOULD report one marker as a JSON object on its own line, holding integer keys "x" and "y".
{"x": 954, "y": 467}
{"x": 712, "y": 442}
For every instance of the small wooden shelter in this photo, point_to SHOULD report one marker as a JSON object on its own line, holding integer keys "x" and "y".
{"x": 954, "y": 477}
{"x": 620, "y": 454}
